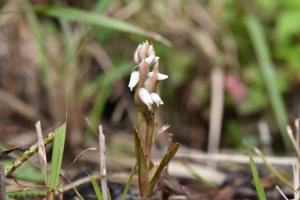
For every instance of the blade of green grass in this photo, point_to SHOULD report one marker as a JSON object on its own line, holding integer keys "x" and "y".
{"x": 39, "y": 40}
{"x": 96, "y": 188}
{"x": 57, "y": 155}
{"x": 273, "y": 170}
{"x": 102, "y": 5}
{"x": 259, "y": 189}
{"x": 124, "y": 195}
{"x": 258, "y": 38}
{"x": 106, "y": 78}
{"x": 83, "y": 16}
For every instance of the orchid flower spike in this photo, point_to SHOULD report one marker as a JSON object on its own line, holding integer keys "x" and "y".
{"x": 134, "y": 79}
{"x": 156, "y": 99}
{"x": 145, "y": 97}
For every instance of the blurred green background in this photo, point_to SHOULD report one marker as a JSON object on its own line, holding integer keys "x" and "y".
{"x": 71, "y": 58}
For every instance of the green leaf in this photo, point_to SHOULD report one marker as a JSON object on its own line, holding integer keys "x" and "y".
{"x": 96, "y": 188}
{"x": 83, "y": 16}
{"x": 259, "y": 189}
{"x": 57, "y": 155}
{"x": 286, "y": 24}
{"x": 258, "y": 38}
{"x": 164, "y": 162}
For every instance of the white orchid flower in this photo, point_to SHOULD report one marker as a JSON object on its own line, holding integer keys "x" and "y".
{"x": 134, "y": 79}
{"x": 151, "y": 59}
{"x": 145, "y": 97}
{"x": 156, "y": 99}
{"x": 160, "y": 76}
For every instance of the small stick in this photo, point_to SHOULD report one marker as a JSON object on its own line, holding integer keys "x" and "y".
{"x": 290, "y": 134}
{"x": 280, "y": 191}
{"x": 2, "y": 182}
{"x": 296, "y": 180}
{"x": 103, "y": 164}
{"x": 41, "y": 150}
{"x": 216, "y": 110}
{"x": 280, "y": 161}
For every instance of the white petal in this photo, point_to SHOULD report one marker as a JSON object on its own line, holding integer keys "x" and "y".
{"x": 145, "y": 97}
{"x": 160, "y": 76}
{"x": 134, "y": 79}
{"x": 156, "y": 99}
{"x": 150, "y": 59}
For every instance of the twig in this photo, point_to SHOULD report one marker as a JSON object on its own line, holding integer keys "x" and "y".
{"x": 216, "y": 110}
{"x": 283, "y": 161}
{"x": 280, "y": 191}
{"x": 2, "y": 182}
{"x": 18, "y": 105}
{"x": 41, "y": 150}
{"x": 292, "y": 138}
{"x": 103, "y": 164}
{"x": 296, "y": 180}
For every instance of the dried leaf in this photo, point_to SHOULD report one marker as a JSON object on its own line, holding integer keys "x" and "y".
{"x": 164, "y": 162}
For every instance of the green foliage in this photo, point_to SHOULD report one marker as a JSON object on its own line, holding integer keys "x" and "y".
{"x": 27, "y": 172}
{"x": 259, "y": 188}
{"x": 57, "y": 155}
{"x": 126, "y": 188}
{"x": 267, "y": 69}
{"x": 96, "y": 19}
{"x": 96, "y": 188}
{"x": 27, "y": 194}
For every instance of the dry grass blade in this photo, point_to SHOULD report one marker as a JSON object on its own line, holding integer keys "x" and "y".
{"x": 294, "y": 142}
{"x": 280, "y": 191}
{"x": 296, "y": 180}
{"x": 104, "y": 187}
{"x": 163, "y": 163}
{"x": 41, "y": 151}
{"x": 18, "y": 105}
{"x": 216, "y": 112}
{"x": 272, "y": 169}
{"x": 2, "y": 182}
{"x": 142, "y": 165}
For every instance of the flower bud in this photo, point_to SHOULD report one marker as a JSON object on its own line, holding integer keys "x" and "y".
{"x": 160, "y": 76}
{"x": 145, "y": 97}
{"x": 134, "y": 79}
{"x": 136, "y": 54}
{"x": 156, "y": 99}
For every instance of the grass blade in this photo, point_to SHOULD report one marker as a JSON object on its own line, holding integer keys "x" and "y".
{"x": 57, "y": 155}
{"x": 124, "y": 195}
{"x": 96, "y": 19}
{"x": 273, "y": 170}
{"x": 258, "y": 38}
{"x": 38, "y": 36}
{"x": 96, "y": 188}
{"x": 259, "y": 189}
